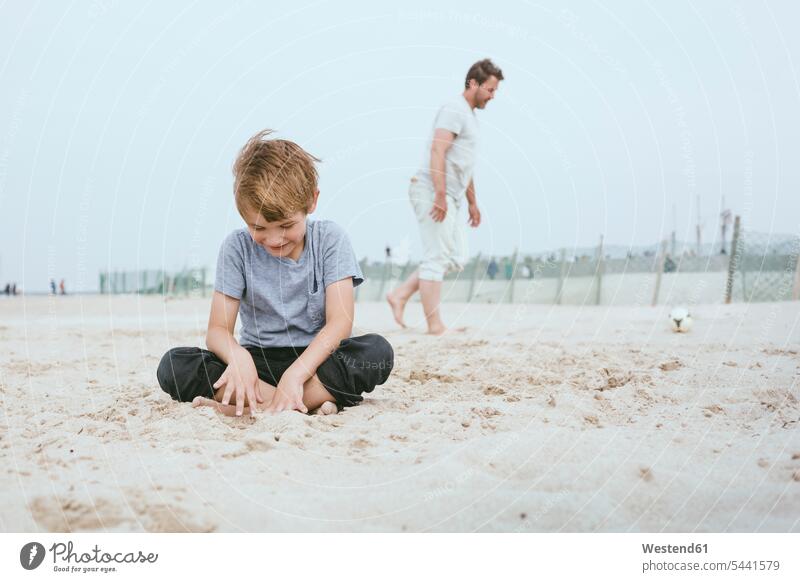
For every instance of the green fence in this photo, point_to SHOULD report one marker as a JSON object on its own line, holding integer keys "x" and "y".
{"x": 155, "y": 282}
{"x": 756, "y": 267}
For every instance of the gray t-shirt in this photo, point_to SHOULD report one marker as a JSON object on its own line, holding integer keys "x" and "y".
{"x": 283, "y": 301}
{"x": 456, "y": 117}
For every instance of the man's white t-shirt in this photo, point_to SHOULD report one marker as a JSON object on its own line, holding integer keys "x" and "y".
{"x": 458, "y": 118}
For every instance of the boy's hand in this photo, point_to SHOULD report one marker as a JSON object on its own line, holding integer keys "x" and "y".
{"x": 240, "y": 378}
{"x": 289, "y": 394}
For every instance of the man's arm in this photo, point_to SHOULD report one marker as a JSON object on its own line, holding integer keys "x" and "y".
{"x": 339, "y": 313}
{"x": 471, "y": 193}
{"x": 442, "y": 141}
{"x": 240, "y": 377}
{"x": 474, "y": 213}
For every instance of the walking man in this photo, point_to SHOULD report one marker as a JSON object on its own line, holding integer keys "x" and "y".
{"x": 437, "y": 193}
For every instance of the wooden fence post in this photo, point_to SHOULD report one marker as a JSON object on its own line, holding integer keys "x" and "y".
{"x": 386, "y": 273}
{"x": 561, "y": 274}
{"x": 733, "y": 259}
{"x": 796, "y": 288}
{"x": 470, "y": 295}
{"x": 599, "y": 273}
{"x": 662, "y": 255}
{"x": 513, "y": 276}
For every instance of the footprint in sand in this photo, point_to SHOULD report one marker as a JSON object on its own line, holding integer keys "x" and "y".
{"x": 592, "y": 420}
{"x": 426, "y": 376}
{"x": 670, "y": 366}
{"x": 486, "y": 412}
{"x": 361, "y": 444}
{"x": 70, "y": 515}
{"x": 493, "y": 390}
{"x": 136, "y": 511}
{"x": 252, "y": 446}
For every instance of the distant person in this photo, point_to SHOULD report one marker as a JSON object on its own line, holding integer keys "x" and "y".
{"x": 530, "y": 270}
{"x": 61, "y": 287}
{"x": 492, "y": 269}
{"x": 8, "y": 288}
{"x": 52, "y": 287}
{"x": 13, "y": 288}
{"x": 290, "y": 280}
{"x": 438, "y": 190}
{"x": 669, "y": 265}
{"x": 509, "y": 269}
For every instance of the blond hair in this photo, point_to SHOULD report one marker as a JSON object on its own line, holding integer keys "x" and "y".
{"x": 274, "y": 177}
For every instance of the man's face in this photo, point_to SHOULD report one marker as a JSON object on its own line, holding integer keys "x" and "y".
{"x": 281, "y": 238}
{"x": 485, "y": 91}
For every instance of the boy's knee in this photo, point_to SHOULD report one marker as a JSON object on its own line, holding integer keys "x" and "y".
{"x": 377, "y": 354}
{"x": 184, "y": 373}
{"x": 166, "y": 374}
{"x": 382, "y": 346}
{"x": 357, "y": 366}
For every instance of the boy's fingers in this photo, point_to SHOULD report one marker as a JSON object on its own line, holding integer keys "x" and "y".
{"x": 226, "y": 396}
{"x": 222, "y": 380}
{"x": 251, "y": 400}
{"x": 239, "y": 401}
{"x": 255, "y": 394}
{"x": 277, "y": 404}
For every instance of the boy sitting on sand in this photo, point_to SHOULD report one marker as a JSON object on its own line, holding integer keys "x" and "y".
{"x": 291, "y": 281}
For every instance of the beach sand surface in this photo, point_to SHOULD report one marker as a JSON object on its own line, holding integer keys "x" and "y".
{"x": 535, "y": 418}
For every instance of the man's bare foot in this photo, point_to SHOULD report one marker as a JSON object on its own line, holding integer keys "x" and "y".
{"x": 398, "y": 306}
{"x": 437, "y": 329}
{"x": 327, "y": 408}
{"x": 441, "y": 329}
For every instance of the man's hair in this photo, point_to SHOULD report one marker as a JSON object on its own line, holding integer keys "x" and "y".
{"x": 274, "y": 177}
{"x": 481, "y": 71}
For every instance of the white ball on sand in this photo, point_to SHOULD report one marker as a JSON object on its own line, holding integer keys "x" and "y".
{"x": 680, "y": 319}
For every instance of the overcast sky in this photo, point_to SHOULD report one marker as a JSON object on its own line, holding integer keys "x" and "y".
{"x": 119, "y": 121}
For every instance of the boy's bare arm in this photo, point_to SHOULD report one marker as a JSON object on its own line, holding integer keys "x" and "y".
{"x": 221, "y": 325}
{"x": 240, "y": 378}
{"x": 339, "y": 312}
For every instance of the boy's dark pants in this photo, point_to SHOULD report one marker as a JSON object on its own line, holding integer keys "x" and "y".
{"x": 356, "y": 366}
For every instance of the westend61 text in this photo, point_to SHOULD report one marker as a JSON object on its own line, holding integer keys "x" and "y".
{"x": 65, "y": 553}
{"x": 670, "y": 549}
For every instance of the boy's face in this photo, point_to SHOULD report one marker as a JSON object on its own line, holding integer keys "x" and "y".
{"x": 282, "y": 238}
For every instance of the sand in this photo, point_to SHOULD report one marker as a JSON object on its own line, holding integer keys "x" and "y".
{"x": 536, "y": 418}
